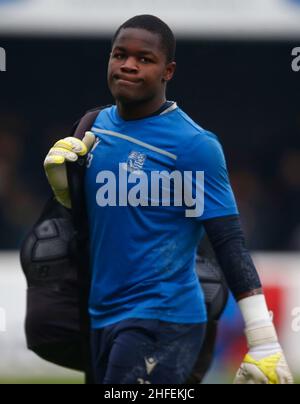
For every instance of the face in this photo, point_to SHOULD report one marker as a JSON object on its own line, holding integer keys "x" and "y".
{"x": 138, "y": 70}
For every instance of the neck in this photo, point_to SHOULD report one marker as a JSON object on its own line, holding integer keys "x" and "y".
{"x": 132, "y": 111}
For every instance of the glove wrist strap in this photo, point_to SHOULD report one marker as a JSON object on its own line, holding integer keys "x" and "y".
{"x": 261, "y": 335}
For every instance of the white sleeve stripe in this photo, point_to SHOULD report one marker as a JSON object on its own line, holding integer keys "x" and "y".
{"x": 136, "y": 141}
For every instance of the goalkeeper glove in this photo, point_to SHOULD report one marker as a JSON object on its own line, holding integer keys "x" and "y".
{"x": 265, "y": 363}
{"x": 68, "y": 149}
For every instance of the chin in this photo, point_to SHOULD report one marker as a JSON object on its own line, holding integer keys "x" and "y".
{"x": 126, "y": 98}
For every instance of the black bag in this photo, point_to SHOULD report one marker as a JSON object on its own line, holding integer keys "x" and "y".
{"x": 52, "y": 325}
{"x": 54, "y": 258}
{"x": 214, "y": 286}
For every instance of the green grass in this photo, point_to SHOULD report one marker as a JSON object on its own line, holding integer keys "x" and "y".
{"x": 220, "y": 379}
{"x": 76, "y": 380}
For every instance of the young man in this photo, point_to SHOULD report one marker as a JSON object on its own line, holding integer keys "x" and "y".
{"x": 146, "y": 306}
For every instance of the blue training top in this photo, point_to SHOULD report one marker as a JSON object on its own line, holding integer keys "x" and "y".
{"x": 144, "y": 226}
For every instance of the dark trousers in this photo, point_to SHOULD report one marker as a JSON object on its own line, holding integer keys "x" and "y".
{"x": 146, "y": 352}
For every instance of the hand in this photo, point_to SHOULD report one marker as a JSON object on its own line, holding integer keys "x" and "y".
{"x": 265, "y": 363}
{"x": 68, "y": 149}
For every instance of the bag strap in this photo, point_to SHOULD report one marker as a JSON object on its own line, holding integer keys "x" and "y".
{"x": 75, "y": 173}
{"x": 86, "y": 122}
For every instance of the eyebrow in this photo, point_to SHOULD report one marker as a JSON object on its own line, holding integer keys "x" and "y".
{"x": 141, "y": 52}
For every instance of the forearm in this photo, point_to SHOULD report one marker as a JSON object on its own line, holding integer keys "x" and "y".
{"x": 228, "y": 242}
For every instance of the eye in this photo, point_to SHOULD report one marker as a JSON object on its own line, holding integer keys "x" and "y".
{"x": 118, "y": 56}
{"x": 145, "y": 60}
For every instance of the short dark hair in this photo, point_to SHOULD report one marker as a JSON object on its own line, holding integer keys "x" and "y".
{"x": 155, "y": 25}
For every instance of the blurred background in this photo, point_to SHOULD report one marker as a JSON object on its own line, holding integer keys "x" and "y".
{"x": 234, "y": 78}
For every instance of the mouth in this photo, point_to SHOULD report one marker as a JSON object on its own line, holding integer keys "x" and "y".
{"x": 126, "y": 81}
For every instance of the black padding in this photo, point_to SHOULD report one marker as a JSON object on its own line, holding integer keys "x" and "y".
{"x": 52, "y": 315}
{"x": 46, "y": 230}
{"x": 214, "y": 287}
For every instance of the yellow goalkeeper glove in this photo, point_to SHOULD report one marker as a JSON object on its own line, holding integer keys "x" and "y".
{"x": 68, "y": 149}
{"x": 265, "y": 363}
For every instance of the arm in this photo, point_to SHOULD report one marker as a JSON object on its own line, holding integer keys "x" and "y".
{"x": 265, "y": 362}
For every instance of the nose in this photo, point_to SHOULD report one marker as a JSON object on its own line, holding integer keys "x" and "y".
{"x": 129, "y": 65}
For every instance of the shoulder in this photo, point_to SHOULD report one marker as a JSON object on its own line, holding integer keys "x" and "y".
{"x": 197, "y": 142}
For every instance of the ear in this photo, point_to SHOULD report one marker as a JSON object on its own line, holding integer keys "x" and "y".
{"x": 169, "y": 71}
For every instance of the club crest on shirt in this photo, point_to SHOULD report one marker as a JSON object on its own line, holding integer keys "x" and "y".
{"x": 136, "y": 161}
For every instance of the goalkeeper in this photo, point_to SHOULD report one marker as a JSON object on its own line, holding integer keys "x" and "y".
{"x": 146, "y": 306}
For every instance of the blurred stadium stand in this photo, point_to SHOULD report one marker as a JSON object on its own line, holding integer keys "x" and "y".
{"x": 244, "y": 91}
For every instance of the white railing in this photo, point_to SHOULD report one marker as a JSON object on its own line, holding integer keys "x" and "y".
{"x": 192, "y": 17}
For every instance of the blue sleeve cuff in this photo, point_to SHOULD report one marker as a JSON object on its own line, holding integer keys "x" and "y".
{"x": 215, "y": 213}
